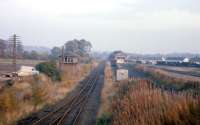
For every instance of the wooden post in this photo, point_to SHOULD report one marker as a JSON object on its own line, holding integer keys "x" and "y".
{"x": 61, "y": 61}
{"x": 14, "y": 52}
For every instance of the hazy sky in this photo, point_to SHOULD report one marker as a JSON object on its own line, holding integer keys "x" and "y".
{"x": 142, "y": 26}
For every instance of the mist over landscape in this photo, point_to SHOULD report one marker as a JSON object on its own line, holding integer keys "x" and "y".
{"x": 137, "y": 26}
{"x": 99, "y": 62}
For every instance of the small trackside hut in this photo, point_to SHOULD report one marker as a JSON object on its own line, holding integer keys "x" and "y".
{"x": 121, "y": 74}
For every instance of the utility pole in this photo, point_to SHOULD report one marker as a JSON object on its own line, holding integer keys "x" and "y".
{"x": 14, "y": 42}
{"x": 14, "y": 52}
{"x": 62, "y": 58}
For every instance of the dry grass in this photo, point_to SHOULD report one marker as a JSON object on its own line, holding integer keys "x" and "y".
{"x": 168, "y": 79}
{"x": 33, "y": 93}
{"x": 140, "y": 103}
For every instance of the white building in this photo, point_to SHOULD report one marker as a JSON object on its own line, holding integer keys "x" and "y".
{"x": 186, "y": 60}
{"x": 27, "y": 71}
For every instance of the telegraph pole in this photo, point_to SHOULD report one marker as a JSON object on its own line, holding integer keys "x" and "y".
{"x": 62, "y": 58}
{"x": 14, "y": 52}
{"x": 14, "y": 41}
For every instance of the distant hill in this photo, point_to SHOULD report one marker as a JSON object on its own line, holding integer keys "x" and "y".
{"x": 37, "y": 48}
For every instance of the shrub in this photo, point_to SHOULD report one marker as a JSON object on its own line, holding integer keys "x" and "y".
{"x": 50, "y": 69}
{"x": 105, "y": 119}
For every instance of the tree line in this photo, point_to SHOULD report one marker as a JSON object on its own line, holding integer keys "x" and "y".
{"x": 6, "y": 51}
{"x": 80, "y": 47}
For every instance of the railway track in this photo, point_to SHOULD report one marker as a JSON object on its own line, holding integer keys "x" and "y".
{"x": 186, "y": 73}
{"x": 69, "y": 112}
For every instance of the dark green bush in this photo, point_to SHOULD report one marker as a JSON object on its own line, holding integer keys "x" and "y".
{"x": 50, "y": 69}
{"x": 105, "y": 119}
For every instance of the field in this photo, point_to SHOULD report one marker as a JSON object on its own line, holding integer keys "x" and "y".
{"x": 6, "y": 64}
